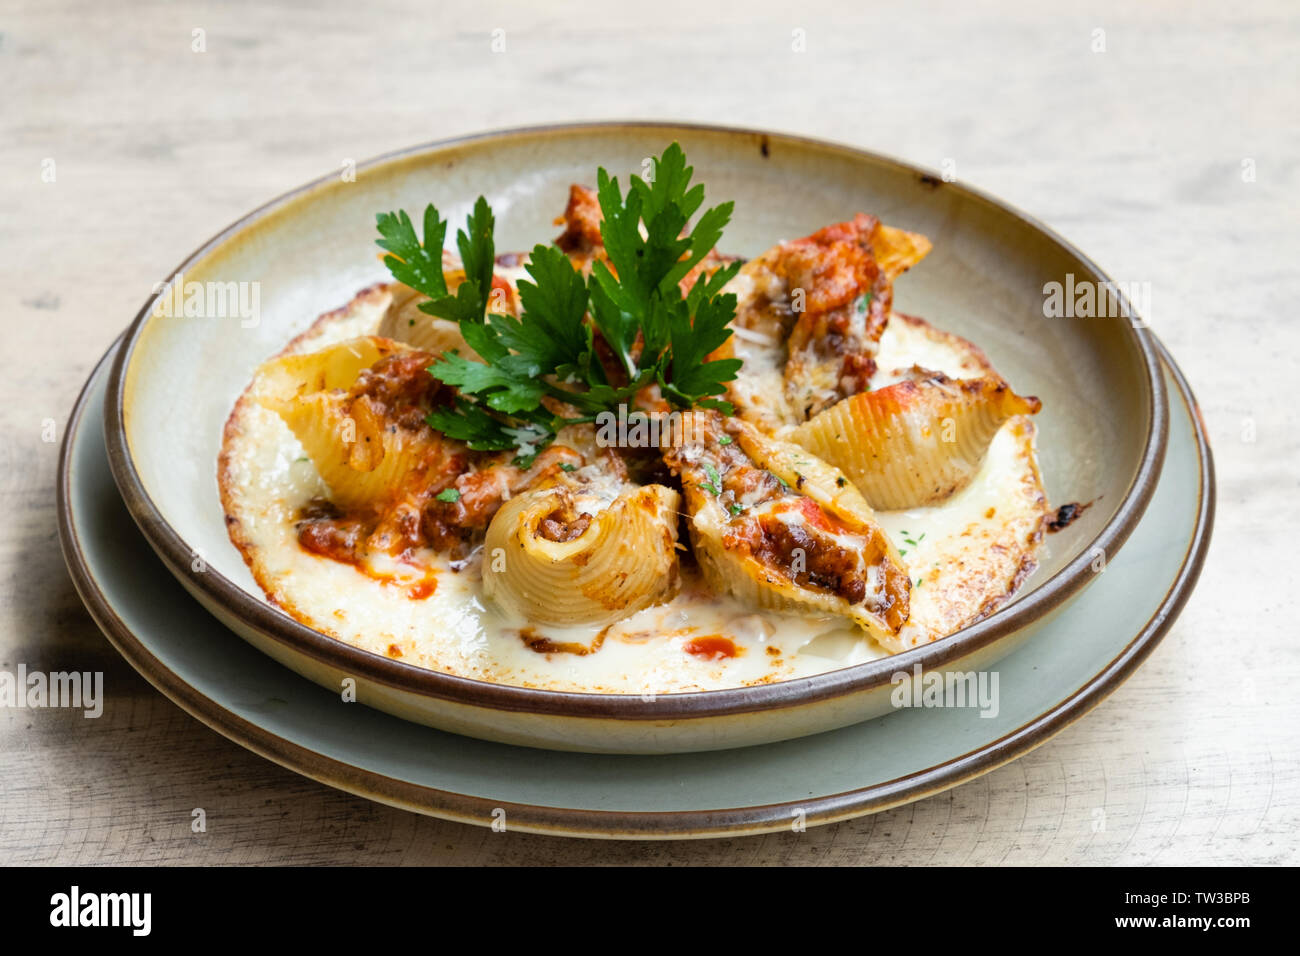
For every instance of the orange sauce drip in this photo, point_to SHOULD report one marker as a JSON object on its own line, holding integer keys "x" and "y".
{"x": 422, "y": 589}
{"x": 713, "y": 647}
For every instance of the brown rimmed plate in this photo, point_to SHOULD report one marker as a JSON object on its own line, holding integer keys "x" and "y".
{"x": 1102, "y": 431}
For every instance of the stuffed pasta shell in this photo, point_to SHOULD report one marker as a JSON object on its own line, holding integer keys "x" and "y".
{"x": 915, "y": 442}
{"x": 357, "y": 407}
{"x": 809, "y": 318}
{"x": 777, "y": 528}
{"x": 586, "y": 548}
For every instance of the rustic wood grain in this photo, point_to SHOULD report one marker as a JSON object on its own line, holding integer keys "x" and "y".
{"x": 1136, "y": 153}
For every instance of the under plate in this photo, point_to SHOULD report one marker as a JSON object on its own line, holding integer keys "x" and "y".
{"x": 1080, "y": 656}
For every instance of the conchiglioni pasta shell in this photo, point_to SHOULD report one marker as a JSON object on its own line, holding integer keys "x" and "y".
{"x": 752, "y": 584}
{"x": 913, "y": 443}
{"x": 356, "y": 453}
{"x": 625, "y": 560}
{"x": 731, "y": 571}
{"x": 781, "y": 381}
{"x": 805, "y": 473}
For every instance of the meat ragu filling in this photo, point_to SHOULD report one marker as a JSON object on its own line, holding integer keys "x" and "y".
{"x": 417, "y": 518}
{"x": 563, "y": 524}
{"x": 446, "y": 502}
{"x": 399, "y": 389}
{"x": 821, "y": 561}
{"x": 806, "y": 549}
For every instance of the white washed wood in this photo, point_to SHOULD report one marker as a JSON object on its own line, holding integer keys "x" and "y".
{"x": 1135, "y": 153}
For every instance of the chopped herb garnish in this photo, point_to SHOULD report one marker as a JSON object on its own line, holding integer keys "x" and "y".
{"x": 635, "y": 304}
{"x": 565, "y": 466}
{"x": 724, "y": 440}
{"x": 735, "y": 509}
{"x": 449, "y": 495}
{"x": 841, "y": 481}
{"x": 715, "y": 481}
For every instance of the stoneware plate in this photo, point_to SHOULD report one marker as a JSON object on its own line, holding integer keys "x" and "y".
{"x": 1073, "y": 662}
{"x": 1102, "y": 431}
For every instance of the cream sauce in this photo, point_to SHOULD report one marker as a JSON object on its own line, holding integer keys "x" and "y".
{"x": 453, "y": 630}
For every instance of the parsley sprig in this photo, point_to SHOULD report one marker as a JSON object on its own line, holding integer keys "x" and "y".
{"x": 634, "y": 304}
{"x": 641, "y": 296}
{"x": 419, "y": 265}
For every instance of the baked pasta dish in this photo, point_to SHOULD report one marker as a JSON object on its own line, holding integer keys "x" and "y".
{"x": 628, "y": 463}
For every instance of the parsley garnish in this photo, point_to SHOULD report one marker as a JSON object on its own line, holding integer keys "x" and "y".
{"x": 641, "y": 297}
{"x": 449, "y": 495}
{"x": 724, "y": 440}
{"x": 565, "y": 466}
{"x": 419, "y": 264}
{"x": 656, "y": 334}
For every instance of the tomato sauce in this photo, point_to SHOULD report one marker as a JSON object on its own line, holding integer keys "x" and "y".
{"x": 711, "y": 647}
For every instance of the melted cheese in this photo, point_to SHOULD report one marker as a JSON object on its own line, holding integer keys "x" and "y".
{"x": 968, "y": 552}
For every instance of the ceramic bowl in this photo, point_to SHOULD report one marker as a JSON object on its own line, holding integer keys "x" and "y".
{"x": 1101, "y": 432}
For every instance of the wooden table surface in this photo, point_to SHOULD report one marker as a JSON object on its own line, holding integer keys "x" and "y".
{"x": 1162, "y": 138}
